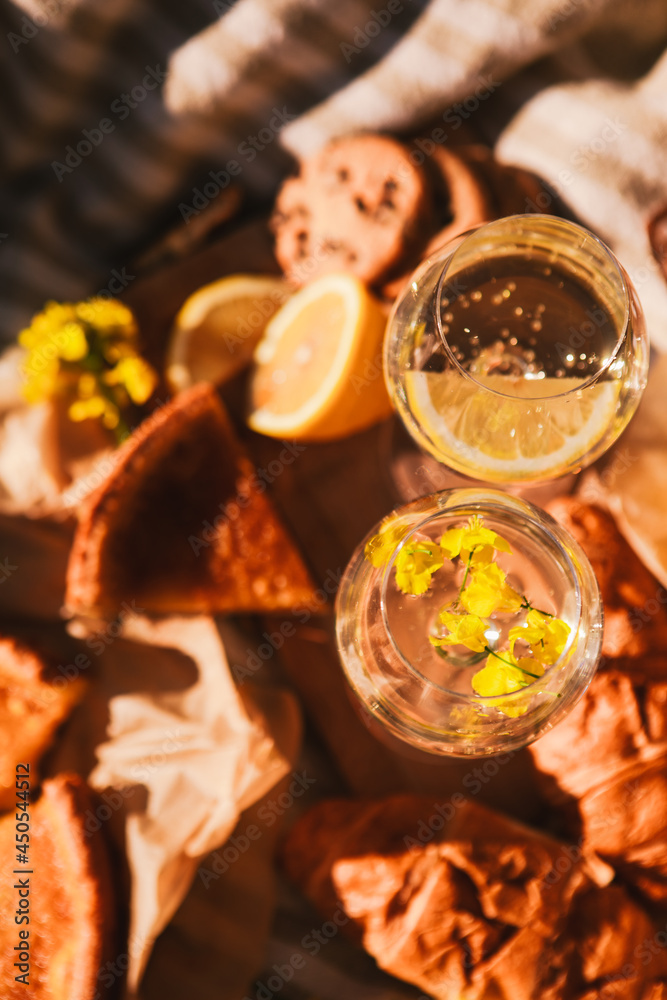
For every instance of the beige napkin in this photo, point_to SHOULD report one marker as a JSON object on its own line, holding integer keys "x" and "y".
{"x": 177, "y": 728}
{"x": 601, "y": 144}
{"x": 48, "y": 464}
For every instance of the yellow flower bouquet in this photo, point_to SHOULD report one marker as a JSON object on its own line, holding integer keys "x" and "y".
{"x": 87, "y": 353}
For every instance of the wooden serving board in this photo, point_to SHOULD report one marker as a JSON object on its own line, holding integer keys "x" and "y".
{"x": 330, "y": 495}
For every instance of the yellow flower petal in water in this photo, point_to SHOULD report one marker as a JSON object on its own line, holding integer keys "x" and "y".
{"x": 415, "y": 565}
{"x": 451, "y": 542}
{"x": 503, "y": 674}
{"x": 381, "y": 547}
{"x": 474, "y": 540}
{"x": 463, "y": 630}
{"x": 546, "y": 636}
{"x": 489, "y": 592}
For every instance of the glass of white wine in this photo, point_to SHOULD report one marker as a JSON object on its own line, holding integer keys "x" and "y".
{"x": 518, "y": 352}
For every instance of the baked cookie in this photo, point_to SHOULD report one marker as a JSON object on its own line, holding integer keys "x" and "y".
{"x": 461, "y": 201}
{"x": 359, "y": 205}
{"x": 512, "y": 190}
{"x": 35, "y": 698}
{"x": 183, "y": 524}
{"x": 70, "y": 902}
{"x": 467, "y": 198}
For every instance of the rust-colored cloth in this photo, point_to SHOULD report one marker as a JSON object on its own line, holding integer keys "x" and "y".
{"x": 475, "y": 906}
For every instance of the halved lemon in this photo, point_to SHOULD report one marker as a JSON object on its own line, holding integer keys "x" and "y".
{"x": 217, "y": 328}
{"x": 522, "y": 430}
{"x": 318, "y": 368}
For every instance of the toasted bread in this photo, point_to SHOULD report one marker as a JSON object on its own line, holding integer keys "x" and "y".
{"x": 183, "y": 524}
{"x": 68, "y": 899}
{"x": 35, "y": 698}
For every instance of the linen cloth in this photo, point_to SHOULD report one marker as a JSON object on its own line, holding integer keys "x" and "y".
{"x": 117, "y": 113}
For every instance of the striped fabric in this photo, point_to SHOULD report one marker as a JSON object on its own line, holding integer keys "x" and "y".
{"x": 116, "y": 112}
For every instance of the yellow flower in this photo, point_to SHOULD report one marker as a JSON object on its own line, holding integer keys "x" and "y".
{"x": 136, "y": 375}
{"x": 504, "y": 675}
{"x": 475, "y": 540}
{"x": 464, "y": 630}
{"x": 41, "y": 378}
{"x": 87, "y": 385}
{"x": 71, "y": 342}
{"x": 546, "y": 636}
{"x": 46, "y": 324}
{"x": 84, "y": 409}
{"x": 107, "y": 316}
{"x": 381, "y": 547}
{"x": 85, "y": 352}
{"x": 415, "y": 565}
{"x": 488, "y": 592}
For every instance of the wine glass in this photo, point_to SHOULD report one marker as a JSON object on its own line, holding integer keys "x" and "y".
{"x": 518, "y": 352}
{"x": 425, "y": 696}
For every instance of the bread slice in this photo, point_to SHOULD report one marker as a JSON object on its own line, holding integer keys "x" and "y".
{"x": 71, "y": 910}
{"x": 183, "y": 524}
{"x": 35, "y": 698}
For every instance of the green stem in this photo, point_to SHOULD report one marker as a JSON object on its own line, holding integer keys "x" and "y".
{"x": 531, "y": 607}
{"x": 465, "y": 576}
{"x": 509, "y": 664}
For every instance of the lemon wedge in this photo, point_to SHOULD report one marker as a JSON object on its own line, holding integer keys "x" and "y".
{"x": 217, "y": 328}
{"x": 521, "y": 430}
{"x": 318, "y": 368}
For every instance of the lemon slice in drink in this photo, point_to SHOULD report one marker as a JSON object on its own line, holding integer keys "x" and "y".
{"x": 216, "y": 330}
{"x": 536, "y": 429}
{"x": 318, "y": 369}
